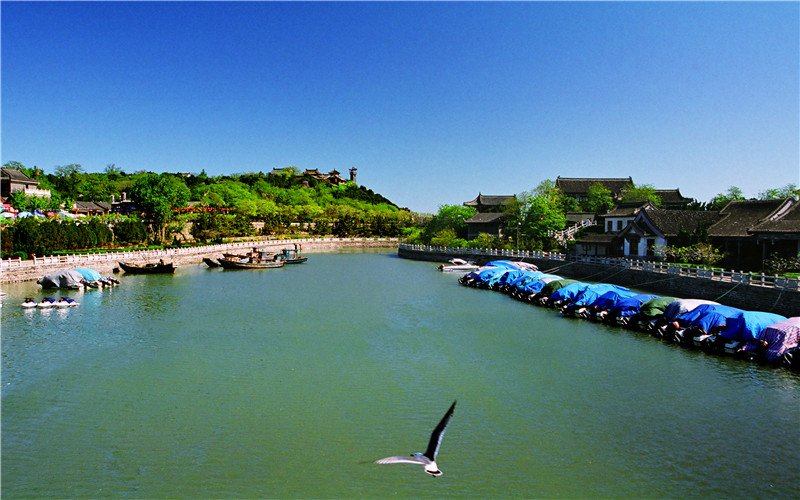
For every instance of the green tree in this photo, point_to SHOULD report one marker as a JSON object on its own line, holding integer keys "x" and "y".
{"x": 645, "y": 192}
{"x": 156, "y": 195}
{"x": 67, "y": 179}
{"x": 18, "y": 200}
{"x": 543, "y": 214}
{"x": 719, "y": 201}
{"x": 451, "y": 217}
{"x": 787, "y": 191}
{"x": 599, "y": 199}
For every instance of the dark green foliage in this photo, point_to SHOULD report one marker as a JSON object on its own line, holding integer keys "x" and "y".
{"x": 46, "y": 236}
{"x": 130, "y": 232}
{"x": 450, "y": 217}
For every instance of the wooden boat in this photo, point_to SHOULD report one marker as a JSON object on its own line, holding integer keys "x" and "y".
{"x": 291, "y": 256}
{"x": 160, "y": 268}
{"x": 210, "y": 262}
{"x": 257, "y": 259}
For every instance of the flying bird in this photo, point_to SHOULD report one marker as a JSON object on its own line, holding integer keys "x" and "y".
{"x": 427, "y": 459}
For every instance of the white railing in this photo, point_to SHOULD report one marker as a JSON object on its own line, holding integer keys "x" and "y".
{"x": 86, "y": 259}
{"x": 569, "y": 233}
{"x": 764, "y": 280}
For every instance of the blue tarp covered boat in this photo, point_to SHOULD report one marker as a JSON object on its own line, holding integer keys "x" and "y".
{"x": 678, "y": 308}
{"x": 89, "y": 274}
{"x": 536, "y": 285}
{"x": 593, "y": 293}
{"x": 630, "y": 305}
{"x": 747, "y": 325}
{"x": 707, "y": 317}
{"x": 568, "y": 293}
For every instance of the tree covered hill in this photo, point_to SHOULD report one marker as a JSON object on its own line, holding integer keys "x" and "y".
{"x": 290, "y": 187}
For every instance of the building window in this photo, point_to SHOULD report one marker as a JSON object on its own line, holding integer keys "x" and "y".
{"x": 619, "y": 225}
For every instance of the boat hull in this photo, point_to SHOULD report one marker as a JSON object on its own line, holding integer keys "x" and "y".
{"x": 233, "y": 264}
{"x": 148, "y": 269}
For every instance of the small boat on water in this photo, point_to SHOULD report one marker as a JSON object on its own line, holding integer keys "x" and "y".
{"x": 160, "y": 268}
{"x": 47, "y": 302}
{"x": 65, "y": 302}
{"x": 257, "y": 259}
{"x": 210, "y": 262}
{"x": 291, "y": 256}
{"x": 29, "y": 303}
{"x": 458, "y": 265}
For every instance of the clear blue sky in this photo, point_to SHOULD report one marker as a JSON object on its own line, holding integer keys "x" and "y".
{"x": 432, "y": 102}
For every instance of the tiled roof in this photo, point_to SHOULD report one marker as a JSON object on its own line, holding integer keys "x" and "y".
{"x": 628, "y": 209}
{"x": 672, "y": 196}
{"x": 484, "y": 200}
{"x": 483, "y": 218}
{"x": 739, "y": 216}
{"x": 601, "y": 238}
{"x": 786, "y": 220}
{"x": 90, "y": 206}
{"x": 670, "y": 222}
{"x": 581, "y": 185}
{"x": 16, "y": 175}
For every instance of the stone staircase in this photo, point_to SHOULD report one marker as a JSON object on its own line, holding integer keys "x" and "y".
{"x": 568, "y": 234}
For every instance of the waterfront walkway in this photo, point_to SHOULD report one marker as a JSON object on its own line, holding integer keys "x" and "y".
{"x": 15, "y": 270}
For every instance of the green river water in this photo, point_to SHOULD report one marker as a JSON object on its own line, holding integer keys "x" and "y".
{"x": 288, "y": 383}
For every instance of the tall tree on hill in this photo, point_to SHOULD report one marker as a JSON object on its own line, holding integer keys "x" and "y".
{"x": 156, "y": 195}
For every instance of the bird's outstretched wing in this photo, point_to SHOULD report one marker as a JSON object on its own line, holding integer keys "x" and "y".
{"x": 402, "y": 460}
{"x": 438, "y": 433}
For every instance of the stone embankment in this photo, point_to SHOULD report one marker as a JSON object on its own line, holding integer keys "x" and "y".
{"x": 15, "y": 270}
{"x": 747, "y": 291}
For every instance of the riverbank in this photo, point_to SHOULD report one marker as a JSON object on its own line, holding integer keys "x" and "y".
{"x": 13, "y": 271}
{"x": 741, "y": 290}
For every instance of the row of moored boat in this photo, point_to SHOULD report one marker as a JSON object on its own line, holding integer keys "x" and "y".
{"x": 703, "y": 324}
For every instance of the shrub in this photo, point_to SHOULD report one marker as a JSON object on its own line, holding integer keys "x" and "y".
{"x": 130, "y": 232}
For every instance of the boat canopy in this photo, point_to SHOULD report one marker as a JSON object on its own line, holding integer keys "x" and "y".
{"x": 592, "y": 292}
{"x": 68, "y": 278}
{"x": 747, "y": 325}
{"x": 682, "y": 306}
{"x": 781, "y": 337}
{"x": 706, "y": 317}
{"x": 631, "y": 305}
{"x": 89, "y": 274}
{"x": 656, "y": 307}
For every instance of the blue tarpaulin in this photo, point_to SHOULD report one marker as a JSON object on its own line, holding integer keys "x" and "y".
{"x": 680, "y": 307}
{"x": 706, "y": 317}
{"x": 747, "y": 325}
{"x": 591, "y": 293}
{"x": 610, "y": 299}
{"x": 569, "y": 292}
{"x": 89, "y": 274}
{"x": 630, "y": 305}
